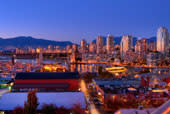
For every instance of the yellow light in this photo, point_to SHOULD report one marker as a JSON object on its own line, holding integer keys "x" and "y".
{"x": 38, "y": 50}
{"x": 116, "y": 69}
{"x": 132, "y": 89}
{"x": 99, "y": 93}
{"x": 158, "y": 90}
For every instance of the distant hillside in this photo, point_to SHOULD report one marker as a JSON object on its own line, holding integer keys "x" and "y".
{"x": 23, "y": 42}
{"x": 117, "y": 40}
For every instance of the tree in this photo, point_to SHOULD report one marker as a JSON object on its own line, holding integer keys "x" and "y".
{"x": 62, "y": 110}
{"x": 48, "y": 109}
{"x": 17, "y": 110}
{"x": 88, "y": 77}
{"x": 30, "y": 107}
{"x": 106, "y": 74}
{"x": 77, "y": 109}
{"x": 100, "y": 69}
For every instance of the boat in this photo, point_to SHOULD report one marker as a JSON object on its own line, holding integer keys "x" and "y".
{"x": 117, "y": 69}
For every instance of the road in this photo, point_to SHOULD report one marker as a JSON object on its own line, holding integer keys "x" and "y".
{"x": 92, "y": 107}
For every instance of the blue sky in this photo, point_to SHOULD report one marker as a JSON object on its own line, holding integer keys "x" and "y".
{"x": 82, "y": 19}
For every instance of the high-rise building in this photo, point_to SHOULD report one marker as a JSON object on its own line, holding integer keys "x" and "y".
{"x": 125, "y": 45}
{"x": 92, "y": 47}
{"x": 19, "y": 51}
{"x": 109, "y": 45}
{"x": 130, "y": 57}
{"x": 141, "y": 48}
{"x": 74, "y": 48}
{"x": 68, "y": 48}
{"x": 100, "y": 45}
{"x": 83, "y": 46}
{"x": 152, "y": 46}
{"x": 153, "y": 58}
{"x": 162, "y": 40}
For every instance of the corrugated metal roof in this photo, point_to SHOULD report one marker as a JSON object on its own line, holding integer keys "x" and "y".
{"x": 67, "y": 99}
{"x": 47, "y": 75}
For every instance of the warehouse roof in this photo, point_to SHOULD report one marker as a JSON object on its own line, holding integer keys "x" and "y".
{"x": 67, "y": 99}
{"x": 47, "y": 75}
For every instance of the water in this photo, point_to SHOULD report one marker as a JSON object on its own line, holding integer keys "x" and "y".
{"x": 30, "y": 61}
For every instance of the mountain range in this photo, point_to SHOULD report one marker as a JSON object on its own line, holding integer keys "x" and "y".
{"x": 24, "y": 41}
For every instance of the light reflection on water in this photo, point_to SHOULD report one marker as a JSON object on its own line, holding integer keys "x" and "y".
{"x": 85, "y": 67}
{"x": 31, "y": 61}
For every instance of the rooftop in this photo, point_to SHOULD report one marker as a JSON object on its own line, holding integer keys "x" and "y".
{"x": 67, "y": 99}
{"x": 47, "y": 75}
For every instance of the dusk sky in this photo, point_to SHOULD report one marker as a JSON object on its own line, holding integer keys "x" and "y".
{"x": 82, "y": 19}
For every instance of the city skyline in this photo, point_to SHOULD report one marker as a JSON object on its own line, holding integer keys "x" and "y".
{"x": 84, "y": 57}
{"x": 62, "y": 21}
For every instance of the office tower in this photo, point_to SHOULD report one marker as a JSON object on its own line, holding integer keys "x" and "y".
{"x": 141, "y": 48}
{"x": 100, "y": 45}
{"x": 125, "y": 45}
{"x": 92, "y": 47}
{"x": 83, "y": 46}
{"x": 163, "y": 40}
{"x": 109, "y": 45}
{"x": 152, "y": 46}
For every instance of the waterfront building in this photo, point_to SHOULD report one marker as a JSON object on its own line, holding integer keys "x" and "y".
{"x": 19, "y": 51}
{"x": 39, "y": 58}
{"x": 92, "y": 47}
{"x": 125, "y": 45}
{"x": 30, "y": 50}
{"x": 100, "y": 45}
{"x": 163, "y": 40}
{"x": 110, "y": 44}
{"x": 46, "y": 81}
{"x": 9, "y": 101}
{"x": 68, "y": 49}
{"x": 83, "y": 46}
{"x": 74, "y": 48}
{"x": 50, "y": 47}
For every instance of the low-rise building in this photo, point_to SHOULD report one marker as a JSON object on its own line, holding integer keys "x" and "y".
{"x": 46, "y": 81}
{"x": 9, "y": 101}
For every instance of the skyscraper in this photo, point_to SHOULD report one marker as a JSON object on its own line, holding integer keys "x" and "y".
{"x": 152, "y": 46}
{"x": 100, "y": 45}
{"x": 92, "y": 47}
{"x": 125, "y": 45}
{"x": 83, "y": 46}
{"x": 162, "y": 40}
{"x": 74, "y": 48}
{"x": 109, "y": 45}
{"x": 141, "y": 48}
